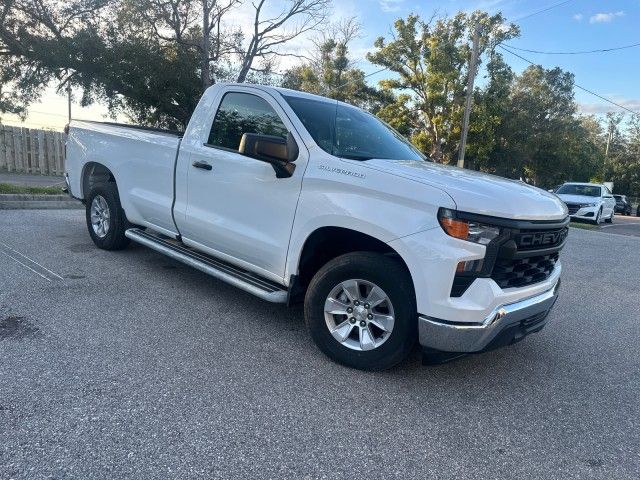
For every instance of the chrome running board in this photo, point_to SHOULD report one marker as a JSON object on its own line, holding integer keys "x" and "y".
{"x": 243, "y": 279}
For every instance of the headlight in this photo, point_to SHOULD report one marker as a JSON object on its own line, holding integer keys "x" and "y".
{"x": 588, "y": 205}
{"x": 466, "y": 229}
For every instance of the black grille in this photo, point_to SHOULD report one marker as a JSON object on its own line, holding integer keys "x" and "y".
{"x": 525, "y": 252}
{"x": 573, "y": 208}
{"x": 520, "y": 272}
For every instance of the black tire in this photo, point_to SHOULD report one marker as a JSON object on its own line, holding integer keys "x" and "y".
{"x": 610, "y": 219}
{"x": 392, "y": 277}
{"x": 118, "y": 224}
{"x": 596, "y": 221}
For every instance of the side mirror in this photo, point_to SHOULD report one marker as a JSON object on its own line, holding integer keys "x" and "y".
{"x": 277, "y": 151}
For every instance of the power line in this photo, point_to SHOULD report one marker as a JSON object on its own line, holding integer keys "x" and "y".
{"x": 543, "y": 10}
{"x": 575, "y": 84}
{"x": 579, "y": 52}
{"x": 366, "y": 76}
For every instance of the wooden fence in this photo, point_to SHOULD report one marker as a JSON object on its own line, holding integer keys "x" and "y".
{"x": 27, "y": 150}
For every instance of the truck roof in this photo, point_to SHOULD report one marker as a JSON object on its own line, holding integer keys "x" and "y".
{"x": 284, "y": 92}
{"x": 583, "y": 183}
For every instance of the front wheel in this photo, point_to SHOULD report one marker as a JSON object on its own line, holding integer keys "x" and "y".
{"x": 360, "y": 310}
{"x": 106, "y": 220}
{"x": 598, "y": 218}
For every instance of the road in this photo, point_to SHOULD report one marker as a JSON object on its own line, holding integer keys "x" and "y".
{"x": 623, "y": 225}
{"x": 130, "y": 365}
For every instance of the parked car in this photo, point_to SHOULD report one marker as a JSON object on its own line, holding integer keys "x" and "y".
{"x": 298, "y": 198}
{"x": 622, "y": 204}
{"x": 588, "y": 201}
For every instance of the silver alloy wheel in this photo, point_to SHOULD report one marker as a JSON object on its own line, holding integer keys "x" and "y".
{"x": 100, "y": 216}
{"x": 359, "y": 314}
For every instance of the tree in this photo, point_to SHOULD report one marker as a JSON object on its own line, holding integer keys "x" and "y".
{"x": 148, "y": 59}
{"x": 431, "y": 60}
{"x": 488, "y": 144}
{"x": 270, "y": 33}
{"x": 622, "y": 166}
{"x": 331, "y": 73}
{"x": 537, "y": 135}
{"x": 98, "y": 47}
{"x": 193, "y": 24}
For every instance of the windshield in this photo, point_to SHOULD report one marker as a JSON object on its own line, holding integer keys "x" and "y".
{"x": 349, "y": 132}
{"x": 584, "y": 190}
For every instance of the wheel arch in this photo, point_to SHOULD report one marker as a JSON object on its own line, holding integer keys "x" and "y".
{"x": 328, "y": 242}
{"x": 94, "y": 173}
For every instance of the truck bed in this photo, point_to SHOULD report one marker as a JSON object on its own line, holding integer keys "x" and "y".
{"x": 141, "y": 160}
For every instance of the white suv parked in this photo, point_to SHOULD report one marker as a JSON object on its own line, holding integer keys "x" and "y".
{"x": 588, "y": 201}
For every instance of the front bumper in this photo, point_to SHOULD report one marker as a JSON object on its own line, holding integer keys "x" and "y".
{"x": 504, "y": 325}
{"x": 585, "y": 213}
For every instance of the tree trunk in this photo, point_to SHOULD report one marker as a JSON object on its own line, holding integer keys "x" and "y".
{"x": 244, "y": 70}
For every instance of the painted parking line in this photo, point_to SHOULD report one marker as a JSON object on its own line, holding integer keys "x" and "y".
{"x": 28, "y": 263}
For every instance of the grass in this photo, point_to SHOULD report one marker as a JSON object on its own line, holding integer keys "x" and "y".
{"x": 9, "y": 188}
{"x": 584, "y": 226}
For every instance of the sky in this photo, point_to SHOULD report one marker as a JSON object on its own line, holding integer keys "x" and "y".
{"x": 574, "y": 25}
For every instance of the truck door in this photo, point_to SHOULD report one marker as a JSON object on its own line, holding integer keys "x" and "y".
{"x": 236, "y": 208}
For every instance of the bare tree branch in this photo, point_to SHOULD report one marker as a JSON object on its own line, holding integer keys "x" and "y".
{"x": 270, "y": 32}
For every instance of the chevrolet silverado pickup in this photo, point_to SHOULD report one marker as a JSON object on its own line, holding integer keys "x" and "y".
{"x": 297, "y": 198}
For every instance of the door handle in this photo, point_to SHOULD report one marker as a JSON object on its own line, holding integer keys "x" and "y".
{"x": 202, "y": 165}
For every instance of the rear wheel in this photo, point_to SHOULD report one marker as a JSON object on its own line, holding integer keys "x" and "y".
{"x": 360, "y": 310}
{"x": 105, "y": 217}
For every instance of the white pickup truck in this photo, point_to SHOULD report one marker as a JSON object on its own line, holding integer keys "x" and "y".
{"x": 299, "y": 198}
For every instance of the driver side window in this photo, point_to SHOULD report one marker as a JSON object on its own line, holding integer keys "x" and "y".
{"x": 240, "y": 113}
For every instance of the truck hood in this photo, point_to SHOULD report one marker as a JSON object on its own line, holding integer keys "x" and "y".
{"x": 480, "y": 193}
{"x": 577, "y": 198}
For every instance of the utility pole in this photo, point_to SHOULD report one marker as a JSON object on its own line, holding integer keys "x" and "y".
{"x": 69, "y": 95}
{"x": 469, "y": 97}
{"x": 69, "y": 99}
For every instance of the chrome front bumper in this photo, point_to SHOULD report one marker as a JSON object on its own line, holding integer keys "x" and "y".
{"x": 505, "y": 324}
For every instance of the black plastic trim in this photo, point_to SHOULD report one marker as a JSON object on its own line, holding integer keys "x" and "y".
{"x": 510, "y": 223}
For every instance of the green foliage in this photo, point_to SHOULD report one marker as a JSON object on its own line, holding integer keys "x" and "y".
{"x": 430, "y": 60}
{"x": 99, "y": 48}
{"x": 331, "y": 73}
{"x": 151, "y": 60}
{"x": 622, "y": 164}
{"x": 526, "y": 126}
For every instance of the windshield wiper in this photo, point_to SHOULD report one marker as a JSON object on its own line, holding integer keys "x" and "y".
{"x": 355, "y": 157}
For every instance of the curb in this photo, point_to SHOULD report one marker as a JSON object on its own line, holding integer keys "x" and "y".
{"x": 21, "y": 201}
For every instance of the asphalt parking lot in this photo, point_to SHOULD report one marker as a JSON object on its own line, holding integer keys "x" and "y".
{"x": 128, "y": 364}
{"x": 623, "y": 225}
